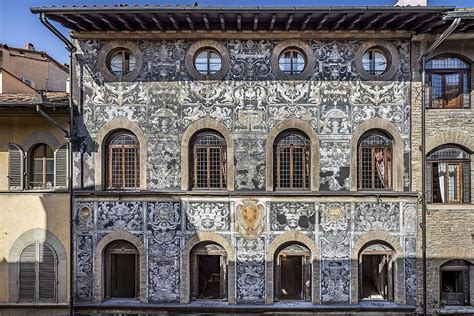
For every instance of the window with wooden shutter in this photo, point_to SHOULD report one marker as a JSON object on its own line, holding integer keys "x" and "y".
{"x": 41, "y": 168}
{"x": 123, "y": 161}
{"x": 61, "y": 167}
{"x": 449, "y": 173}
{"x": 38, "y": 274}
{"x": 16, "y": 167}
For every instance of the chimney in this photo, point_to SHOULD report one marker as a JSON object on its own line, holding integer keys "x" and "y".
{"x": 413, "y": 3}
{"x": 29, "y": 46}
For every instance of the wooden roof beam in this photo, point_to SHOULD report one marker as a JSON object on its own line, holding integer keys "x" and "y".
{"x": 322, "y": 21}
{"x": 91, "y": 22}
{"x": 140, "y": 22}
{"x": 272, "y": 22}
{"x": 206, "y": 22}
{"x": 104, "y": 18}
{"x": 305, "y": 22}
{"x": 221, "y": 18}
{"x": 190, "y": 21}
{"x": 372, "y": 22}
{"x": 125, "y": 23}
{"x": 425, "y": 22}
{"x": 341, "y": 20}
{"x": 255, "y": 22}
{"x": 288, "y": 22}
{"x": 154, "y": 18}
{"x": 74, "y": 22}
{"x": 239, "y": 22}
{"x": 355, "y": 21}
{"x": 408, "y": 20}
{"x": 173, "y": 21}
{"x": 388, "y": 21}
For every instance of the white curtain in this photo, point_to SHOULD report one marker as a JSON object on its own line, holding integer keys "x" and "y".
{"x": 442, "y": 179}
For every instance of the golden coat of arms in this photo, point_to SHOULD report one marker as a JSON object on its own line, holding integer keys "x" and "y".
{"x": 250, "y": 216}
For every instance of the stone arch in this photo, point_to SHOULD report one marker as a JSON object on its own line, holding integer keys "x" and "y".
{"x": 202, "y": 124}
{"x": 101, "y": 137}
{"x": 40, "y": 137}
{"x": 27, "y": 238}
{"x": 98, "y": 267}
{"x": 450, "y": 137}
{"x": 374, "y": 236}
{"x": 380, "y": 124}
{"x": 293, "y": 123}
{"x": 202, "y": 237}
{"x": 277, "y": 243}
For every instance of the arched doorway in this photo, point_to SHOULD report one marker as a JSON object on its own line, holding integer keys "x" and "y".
{"x": 293, "y": 273}
{"x": 121, "y": 273}
{"x": 209, "y": 272}
{"x": 455, "y": 282}
{"x": 376, "y": 272}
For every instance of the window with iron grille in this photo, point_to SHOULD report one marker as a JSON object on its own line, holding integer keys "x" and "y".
{"x": 448, "y": 83}
{"x": 41, "y": 167}
{"x": 38, "y": 273}
{"x": 123, "y": 161}
{"x": 292, "y": 161}
{"x": 209, "y": 170}
{"x": 375, "y": 161}
{"x": 448, "y": 175}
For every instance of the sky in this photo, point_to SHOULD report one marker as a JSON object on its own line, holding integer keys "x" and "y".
{"x": 19, "y": 26}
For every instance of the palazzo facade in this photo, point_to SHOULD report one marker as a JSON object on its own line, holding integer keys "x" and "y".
{"x": 268, "y": 159}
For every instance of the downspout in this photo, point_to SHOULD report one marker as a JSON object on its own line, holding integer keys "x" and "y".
{"x": 422, "y": 60}
{"x": 71, "y": 49}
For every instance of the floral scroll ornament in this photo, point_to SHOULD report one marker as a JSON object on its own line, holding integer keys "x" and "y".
{"x": 164, "y": 219}
{"x": 250, "y": 218}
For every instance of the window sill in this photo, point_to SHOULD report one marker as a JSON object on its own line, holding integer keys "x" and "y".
{"x": 449, "y": 206}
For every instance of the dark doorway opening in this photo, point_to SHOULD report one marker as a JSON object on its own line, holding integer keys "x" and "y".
{"x": 209, "y": 272}
{"x": 376, "y": 273}
{"x": 121, "y": 270}
{"x": 293, "y": 273}
{"x": 455, "y": 283}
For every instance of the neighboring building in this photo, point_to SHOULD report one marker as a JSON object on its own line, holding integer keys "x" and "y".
{"x": 34, "y": 213}
{"x": 269, "y": 155}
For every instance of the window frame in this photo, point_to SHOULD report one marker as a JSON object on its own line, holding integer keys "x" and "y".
{"x": 461, "y": 184}
{"x": 208, "y": 51}
{"x": 293, "y": 50}
{"x": 122, "y": 51}
{"x": 112, "y": 250}
{"x": 360, "y": 161}
{"x": 373, "y": 50}
{"x": 305, "y": 163}
{"x": 443, "y": 72}
{"x": 37, "y": 298}
{"x": 462, "y": 266}
{"x": 44, "y": 160}
{"x": 109, "y": 151}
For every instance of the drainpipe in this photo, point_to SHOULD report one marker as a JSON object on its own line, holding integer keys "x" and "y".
{"x": 71, "y": 49}
{"x": 422, "y": 60}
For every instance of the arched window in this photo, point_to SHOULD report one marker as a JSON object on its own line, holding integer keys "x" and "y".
{"x": 376, "y": 272}
{"x": 41, "y": 167}
{"x": 121, "y": 270}
{"x": 293, "y": 273}
{"x": 38, "y": 273}
{"x": 448, "y": 175}
{"x": 292, "y": 160}
{"x": 448, "y": 82}
{"x": 123, "y": 161}
{"x": 208, "y": 272}
{"x": 375, "y": 161}
{"x": 455, "y": 282}
{"x": 209, "y": 161}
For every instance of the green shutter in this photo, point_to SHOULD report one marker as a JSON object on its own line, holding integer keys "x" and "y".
{"x": 27, "y": 277}
{"x": 47, "y": 273}
{"x": 16, "y": 167}
{"x": 61, "y": 167}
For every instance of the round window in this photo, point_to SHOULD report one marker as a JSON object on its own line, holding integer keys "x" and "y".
{"x": 292, "y": 62}
{"x": 121, "y": 62}
{"x": 375, "y": 61}
{"x": 208, "y": 62}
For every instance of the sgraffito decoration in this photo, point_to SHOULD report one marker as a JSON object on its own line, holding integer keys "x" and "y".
{"x": 250, "y": 172}
{"x": 250, "y": 218}
{"x": 335, "y": 280}
{"x": 370, "y": 216}
{"x": 163, "y": 220}
{"x": 208, "y": 216}
{"x": 120, "y": 215}
{"x": 292, "y": 216}
{"x": 250, "y": 269}
{"x": 83, "y": 269}
{"x": 335, "y": 221}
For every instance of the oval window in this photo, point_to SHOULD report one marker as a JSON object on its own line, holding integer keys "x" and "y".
{"x": 121, "y": 62}
{"x": 375, "y": 61}
{"x": 208, "y": 62}
{"x": 292, "y": 61}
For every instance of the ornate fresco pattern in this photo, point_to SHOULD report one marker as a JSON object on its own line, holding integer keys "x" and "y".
{"x": 163, "y": 101}
{"x": 292, "y": 216}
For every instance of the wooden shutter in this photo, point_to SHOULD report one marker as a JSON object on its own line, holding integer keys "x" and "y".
{"x": 46, "y": 273}
{"x": 429, "y": 183}
{"x": 16, "y": 167}
{"x": 27, "y": 277}
{"x": 466, "y": 176}
{"x": 61, "y": 167}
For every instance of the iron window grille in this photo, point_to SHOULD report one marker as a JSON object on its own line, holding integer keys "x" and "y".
{"x": 209, "y": 157}
{"x": 292, "y": 161}
{"x": 448, "y": 175}
{"x": 42, "y": 167}
{"x": 375, "y": 162}
{"x": 448, "y": 83}
{"x": 123, "y": 161}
